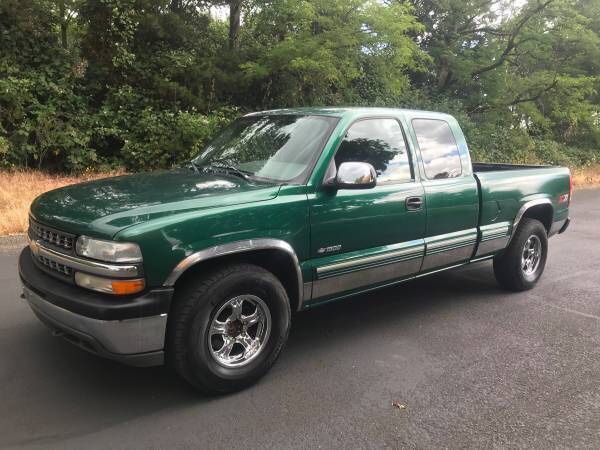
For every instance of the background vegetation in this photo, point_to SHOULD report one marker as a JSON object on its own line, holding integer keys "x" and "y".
{"x": 140, "y": 84}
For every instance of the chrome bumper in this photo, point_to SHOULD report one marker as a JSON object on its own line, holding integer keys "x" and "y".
{"x": 137, "y": 341}
{"x": 565, "y": 226}
{"x": 559, "y": 226}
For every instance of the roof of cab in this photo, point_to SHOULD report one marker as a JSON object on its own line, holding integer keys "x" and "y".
{"x": 341, "y": 111}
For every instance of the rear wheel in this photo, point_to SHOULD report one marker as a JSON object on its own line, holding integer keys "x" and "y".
{"x": 521, "y": 265}
{"x": 227, "y": 329}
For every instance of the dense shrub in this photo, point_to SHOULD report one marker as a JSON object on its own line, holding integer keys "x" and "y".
{"x": 157, "y": 139}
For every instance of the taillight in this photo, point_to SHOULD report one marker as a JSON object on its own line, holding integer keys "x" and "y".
{"x": 566, "y": 198}
{"x": 570, "y": 189}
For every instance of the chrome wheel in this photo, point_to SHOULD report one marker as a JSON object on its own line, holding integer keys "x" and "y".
{"x": 531, "y": 256}
{"x": 239, "y": 331}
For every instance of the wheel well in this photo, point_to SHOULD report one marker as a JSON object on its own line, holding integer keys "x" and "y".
{"x": 278, "y": 262}
{"x": 543, "y": 213}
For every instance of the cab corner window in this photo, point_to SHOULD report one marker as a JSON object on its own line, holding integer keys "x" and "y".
{"x": 379, "y": 142}
{"x": 438, "y": 147}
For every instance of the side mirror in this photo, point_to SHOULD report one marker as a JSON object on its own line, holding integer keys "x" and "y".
{"x": 356, "y": 175}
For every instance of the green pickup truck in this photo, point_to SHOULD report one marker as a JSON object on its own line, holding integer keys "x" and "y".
{"x": 202, "y": 266}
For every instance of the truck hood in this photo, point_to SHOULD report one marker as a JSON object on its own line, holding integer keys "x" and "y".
{"x": 104, "y": 207}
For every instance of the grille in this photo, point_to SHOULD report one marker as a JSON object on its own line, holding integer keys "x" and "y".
{"x": 53, "y": 237}
{"x": 54, "y": 266}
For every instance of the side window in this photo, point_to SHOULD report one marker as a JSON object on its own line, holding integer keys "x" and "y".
{"x": 379, "y": 142}
{"x": 438, "y": 148}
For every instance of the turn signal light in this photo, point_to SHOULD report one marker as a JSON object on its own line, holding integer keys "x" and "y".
{"x": 125, "y": 287}
{"x": 109, "y": 286}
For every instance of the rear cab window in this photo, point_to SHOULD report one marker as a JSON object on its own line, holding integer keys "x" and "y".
{"x": 439, "y": 150}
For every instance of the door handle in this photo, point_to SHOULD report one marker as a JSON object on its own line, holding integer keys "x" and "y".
{"x": 414, "y": 203}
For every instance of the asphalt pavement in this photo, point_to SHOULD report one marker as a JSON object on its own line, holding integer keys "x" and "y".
{"x": 445, "y": 361}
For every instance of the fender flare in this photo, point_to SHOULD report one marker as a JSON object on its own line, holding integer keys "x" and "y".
{"x": 528, "y": 205}
{"x": 232, "y": 248}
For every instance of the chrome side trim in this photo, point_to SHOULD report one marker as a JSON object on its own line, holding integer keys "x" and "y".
{"x": 459, "y": 241}
{"x": 431, "y": 272}
{"x": 523, "y": 210}
{"x": 384, "y": 264}
{"x": 449, "y": 248}
{"x": 492, "y": 245}
{"x": 494, "y": 230}
{"x": 86, "y": 265}
{"x": 364, "y": 277}
{"x": 121, "y": 337}
{"x": 239, "y": 247}
{"x": 483, "y": 258}
{"x": 494, "y": 237}
{"x": 308, "y": 286}
{"x": 410, "y": 253}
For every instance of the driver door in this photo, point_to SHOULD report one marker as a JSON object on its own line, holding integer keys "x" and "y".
{"x": 367, "y": 237}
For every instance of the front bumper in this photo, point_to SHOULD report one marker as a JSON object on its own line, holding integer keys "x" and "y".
{"x": 130, "y": 330}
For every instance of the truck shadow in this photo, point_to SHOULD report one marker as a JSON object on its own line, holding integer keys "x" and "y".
{"x": 394, "y": 306}
{"x": 59, "y": 374}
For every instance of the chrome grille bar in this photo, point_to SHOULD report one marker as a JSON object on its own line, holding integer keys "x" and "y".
{"x": 51, "y": 236}
{"x": 70, "y": 263}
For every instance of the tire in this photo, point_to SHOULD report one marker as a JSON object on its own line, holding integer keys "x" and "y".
{"x": 211, "y": 313}
{"x": 516, "y": 268}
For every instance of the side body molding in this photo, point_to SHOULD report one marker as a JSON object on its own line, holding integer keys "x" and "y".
{"x": 523, "y": 210}
{"x": 238, "y": 247}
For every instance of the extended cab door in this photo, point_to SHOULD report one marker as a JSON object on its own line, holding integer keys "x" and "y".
{"x": 366, "y": 237}
{"x": 451, "y": 192}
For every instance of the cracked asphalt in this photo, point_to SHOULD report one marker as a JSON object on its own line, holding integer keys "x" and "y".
{"x": 473, "y": 366}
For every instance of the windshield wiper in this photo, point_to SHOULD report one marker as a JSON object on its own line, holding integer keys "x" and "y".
{"x": 192, "y": 165}
{"x": 224, "y": 168}
{"x": 230, "y": 170}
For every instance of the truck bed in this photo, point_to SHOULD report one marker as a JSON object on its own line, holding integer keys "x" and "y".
{"x": 504, "y": 188}
{"x": 492, "y": 167}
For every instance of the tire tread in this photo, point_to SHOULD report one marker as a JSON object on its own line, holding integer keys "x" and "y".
{"x": 507, "y": 268}
{"x": 186, "y": 301}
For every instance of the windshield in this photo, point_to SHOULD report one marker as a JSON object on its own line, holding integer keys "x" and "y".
{"x": 280, "y": 148}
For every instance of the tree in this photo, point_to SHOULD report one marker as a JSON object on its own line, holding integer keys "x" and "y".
{"x": 145, "y": 83}
{"x": 318, "y": 52}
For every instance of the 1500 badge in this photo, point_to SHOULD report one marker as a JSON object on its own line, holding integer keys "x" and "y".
{"x": 330, "y": 249}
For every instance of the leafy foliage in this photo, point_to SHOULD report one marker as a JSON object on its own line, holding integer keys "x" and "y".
{"x": 141, "y": 84}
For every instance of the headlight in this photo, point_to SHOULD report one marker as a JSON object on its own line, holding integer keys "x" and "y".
{"x": 110, "y": 251}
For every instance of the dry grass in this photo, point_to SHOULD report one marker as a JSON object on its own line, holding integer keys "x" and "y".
{"x": 19, "y": 188}
{"x": 587, "y": 177}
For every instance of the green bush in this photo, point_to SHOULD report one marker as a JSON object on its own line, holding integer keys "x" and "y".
{"x": 40, "y": 122}
{"x": 44, "y": 126}
{"x": 158, "y": 139}
{"x": 554, "y": 153}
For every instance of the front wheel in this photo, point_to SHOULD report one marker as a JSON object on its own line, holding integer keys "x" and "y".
{"x": 521, "y": 265}
{"x": 227, "y": 329}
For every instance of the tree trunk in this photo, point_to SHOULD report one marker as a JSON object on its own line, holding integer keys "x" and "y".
{"x": 175, "y": 6}
{"x": 443, "y": 74}
{"x": 235, "y": 7}
{"x": 63, "y": 24}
